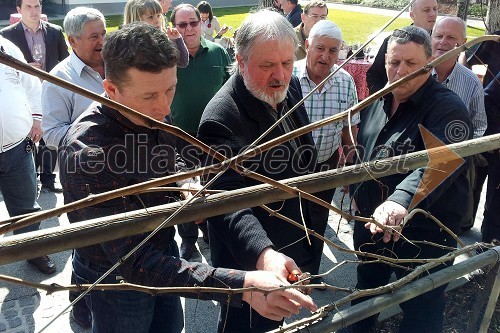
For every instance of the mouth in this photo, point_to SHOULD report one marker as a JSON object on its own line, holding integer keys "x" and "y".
{"x": 277, "y": 85}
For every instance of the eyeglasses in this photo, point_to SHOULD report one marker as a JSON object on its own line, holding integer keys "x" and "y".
{"x": 412, "y": 37}
{"x": 184, "y": 25}
{"x": 314, "y": 16}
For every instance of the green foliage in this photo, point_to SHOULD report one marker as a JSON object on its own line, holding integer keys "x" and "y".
{"x": 391, "y": 4}
{"x": 475, "y": 10}
{"x": 352, "y": 2}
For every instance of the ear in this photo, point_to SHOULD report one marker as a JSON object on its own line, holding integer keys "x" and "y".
{"x": 110, "y": 88}
{"x": 306, "y": 44}
{"x": 241, "y": 64}
{"x": 302, "y": 17}
{"x": 411, "y": 15}
{"x": 18, "y": 10}
{"x": 71, "y": 41}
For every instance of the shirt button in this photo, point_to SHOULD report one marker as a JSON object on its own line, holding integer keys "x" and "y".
{"x": 384, "y": 130}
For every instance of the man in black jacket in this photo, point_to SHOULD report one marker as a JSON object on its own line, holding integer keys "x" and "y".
{"x": 29, "y": 34}
{"x": 259, "y": 92}
{"x": 413, "y": 109}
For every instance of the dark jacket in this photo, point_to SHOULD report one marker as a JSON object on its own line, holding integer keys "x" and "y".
{"x": 294, "y": 16}
{"x": 232, "y": 120}
{"x": 56, "y": 48}
{"x": 441, "y": 112}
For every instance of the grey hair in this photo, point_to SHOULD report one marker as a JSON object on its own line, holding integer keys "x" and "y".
{"x": 325, "y": 28}
{"x": 260, "y": 26}
{"x": 75, "y": 20}
{"x": 416, "y": 31}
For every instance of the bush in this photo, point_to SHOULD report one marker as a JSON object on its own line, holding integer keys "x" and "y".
{"x": 352, "y": 2}
{"x": 475, "y": 10}
{"x": 391, "y": 4}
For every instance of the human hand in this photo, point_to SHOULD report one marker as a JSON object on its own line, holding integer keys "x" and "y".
{"x": 36, "y": 131}
{"x": 35, "y": 64}
{"x": 270, "y": 260}
{"x": 223, "y": 30}
{"x": 389, "y": 213}
{"x": 277, "y": 304}
{"x": 172, "y": 33}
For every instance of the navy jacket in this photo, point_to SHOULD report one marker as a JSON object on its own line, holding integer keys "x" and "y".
{"x": 55, "y": 45}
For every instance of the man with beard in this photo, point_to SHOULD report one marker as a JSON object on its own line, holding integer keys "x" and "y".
{"x": 258, "y": 93}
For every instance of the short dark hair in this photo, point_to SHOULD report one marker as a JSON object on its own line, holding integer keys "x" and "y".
{"x": 314, "y": 4}
{"x": 294, "y": 2}
{"x": 204, "y": 7}
{"x": 19, "y": 3}
{"x": 184, "y": 5}
{"x": 137, "y": 45}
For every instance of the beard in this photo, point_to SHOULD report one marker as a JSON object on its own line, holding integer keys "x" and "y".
{"x": 272, "y": 99}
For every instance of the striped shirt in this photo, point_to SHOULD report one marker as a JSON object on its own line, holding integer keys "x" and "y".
{"x": 463, "y": 82}
{"x": 337, "y": 95}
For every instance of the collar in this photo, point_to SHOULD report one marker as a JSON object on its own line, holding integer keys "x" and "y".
{"x": 203, "y": 46}
{"x": 301, "y": 29}
{"x": 76, "y": 63}
{"x": 25, "y": 27}
{"x": 295, "y": 9}
{"x": 303, "y": 74}
{"x": 417, "y": 98}
{"x": 450, "y": 77}
{"x": 124, "y": 121}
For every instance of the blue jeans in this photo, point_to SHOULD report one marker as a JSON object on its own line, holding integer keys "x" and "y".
{"x": 127, "y": 311}
{"x": 18, "y": 183}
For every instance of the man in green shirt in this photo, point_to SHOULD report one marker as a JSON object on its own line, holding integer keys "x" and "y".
{"x": 196, "y": 85}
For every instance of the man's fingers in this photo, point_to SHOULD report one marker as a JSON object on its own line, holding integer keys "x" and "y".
{"x": 300, "y": 299}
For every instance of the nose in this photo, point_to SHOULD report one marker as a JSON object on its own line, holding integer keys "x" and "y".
{"x": 279, "y": 72}
{"x": 402, "y": 69}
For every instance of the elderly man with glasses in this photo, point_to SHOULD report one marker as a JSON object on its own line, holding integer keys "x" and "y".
{"x": 314, "y": 11}
{"x": 420, "y": 106}
{"x": 206, "y": 72}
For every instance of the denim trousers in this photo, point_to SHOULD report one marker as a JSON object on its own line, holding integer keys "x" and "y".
{"x": 127, "y": 311}
{"x": 18, "y": 183}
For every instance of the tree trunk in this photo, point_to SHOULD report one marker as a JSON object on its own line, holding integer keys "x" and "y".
{"x": 462, "y": 9}
{"x": 493, "y": 16}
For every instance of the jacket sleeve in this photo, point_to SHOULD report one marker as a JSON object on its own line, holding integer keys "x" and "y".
{"x": 57, "y": 107}
{"x": 240, "y": 231}
{"x": 183, "y": 61}
{"x": 62, "y": 46}
{"x": 376, "y": 76}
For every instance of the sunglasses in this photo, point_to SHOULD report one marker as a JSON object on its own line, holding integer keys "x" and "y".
{"x": 184, "y": 25}
{"x": 412, "y": 37}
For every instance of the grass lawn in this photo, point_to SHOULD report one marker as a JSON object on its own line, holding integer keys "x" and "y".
{"x": 356, "y": 27}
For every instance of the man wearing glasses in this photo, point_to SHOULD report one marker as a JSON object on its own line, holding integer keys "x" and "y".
{"x": 420, "y": 105}
{"x": 314, "y": 11}
{"x": 206, "y": 72}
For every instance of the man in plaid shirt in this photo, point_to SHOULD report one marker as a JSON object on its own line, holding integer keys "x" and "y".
{"x": 334, "y": 96}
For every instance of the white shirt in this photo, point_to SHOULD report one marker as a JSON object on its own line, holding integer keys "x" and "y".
{"x": 337, "y": 95}
{"x": 20, "y": 100}
{"x": 60, "y": 106}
